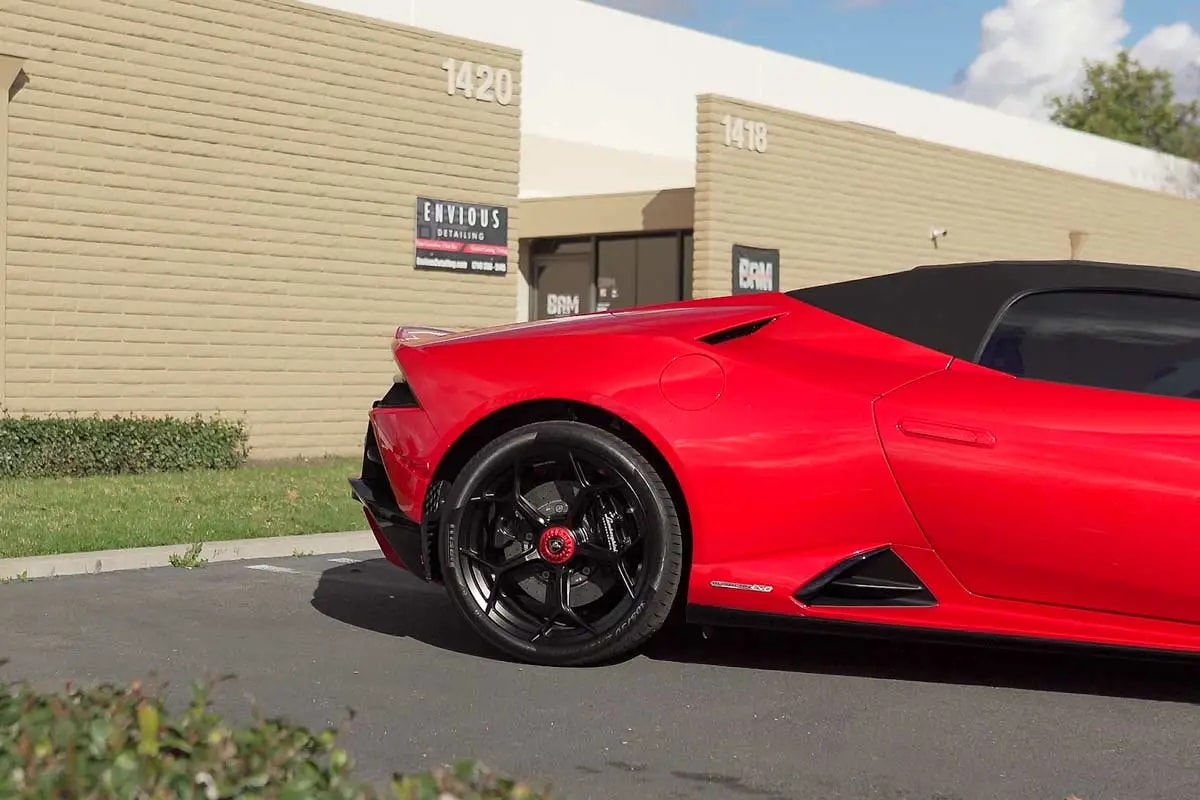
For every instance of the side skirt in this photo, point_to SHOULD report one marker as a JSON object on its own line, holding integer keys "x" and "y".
{"x": 716, "y": 617}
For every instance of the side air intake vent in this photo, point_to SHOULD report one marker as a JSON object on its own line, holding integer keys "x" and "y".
{"x": 738, "y": 331}
{"x": 431, "y": 515}
{"x": 875, "y": 578}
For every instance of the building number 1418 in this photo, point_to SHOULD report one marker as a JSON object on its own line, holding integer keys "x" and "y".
{"x": 745, "y": 134}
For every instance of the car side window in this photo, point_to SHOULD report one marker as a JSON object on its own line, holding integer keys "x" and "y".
{"x": 1130, "y": 341}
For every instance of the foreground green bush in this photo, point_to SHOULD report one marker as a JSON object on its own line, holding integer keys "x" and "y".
{"x": 120, "y": 742}
{"x": 32, "y": 447}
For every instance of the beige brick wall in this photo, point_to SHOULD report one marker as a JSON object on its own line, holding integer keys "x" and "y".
{"x": 10, "y": 69}
{"x": 211, "y": 202}
{"x": 843, "y": 200}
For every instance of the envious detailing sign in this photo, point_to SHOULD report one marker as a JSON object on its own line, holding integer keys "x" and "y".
{"x": 461, "y": 237}
{"x": 755, "y": 269}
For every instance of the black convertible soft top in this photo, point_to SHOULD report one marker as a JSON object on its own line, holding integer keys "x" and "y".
{"x": 951, "y": 307}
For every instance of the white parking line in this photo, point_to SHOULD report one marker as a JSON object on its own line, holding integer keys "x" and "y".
{"x": 344, "y": 560}
{"x": 273, "y": 568}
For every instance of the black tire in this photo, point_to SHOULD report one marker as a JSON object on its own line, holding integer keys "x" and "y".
{"x": 619, "y": 481}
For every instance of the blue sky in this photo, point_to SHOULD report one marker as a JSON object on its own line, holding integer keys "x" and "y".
{"x": 929, "y": 43}
{"x": 922, "y": 43}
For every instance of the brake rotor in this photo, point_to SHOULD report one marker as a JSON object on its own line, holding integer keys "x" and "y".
{"x": 587, "y": 585}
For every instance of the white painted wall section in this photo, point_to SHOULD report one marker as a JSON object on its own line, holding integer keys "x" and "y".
{"x": 620, "y": 89}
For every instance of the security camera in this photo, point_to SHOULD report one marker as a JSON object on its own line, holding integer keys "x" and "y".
{"x": 938, "y": 233}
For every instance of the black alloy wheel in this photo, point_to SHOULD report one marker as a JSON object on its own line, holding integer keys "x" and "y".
{"x": 561, "y": 545}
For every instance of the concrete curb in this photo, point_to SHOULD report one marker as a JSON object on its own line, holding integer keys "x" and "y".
{"x": 147, "y": 557}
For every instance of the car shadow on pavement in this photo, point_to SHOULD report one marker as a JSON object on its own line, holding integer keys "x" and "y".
{"x": 375, "y": 596}
{"x": 1070, "y": 672}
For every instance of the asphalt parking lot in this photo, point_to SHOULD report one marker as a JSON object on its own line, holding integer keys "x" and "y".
{"x": 739, "y": 716}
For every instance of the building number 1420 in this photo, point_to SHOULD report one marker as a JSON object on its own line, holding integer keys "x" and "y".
{"x": 745, "y": 134}
{"x": 478, "y": 81}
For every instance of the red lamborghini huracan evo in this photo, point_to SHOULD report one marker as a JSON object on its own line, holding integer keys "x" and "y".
{"x": 1002, "y": 449}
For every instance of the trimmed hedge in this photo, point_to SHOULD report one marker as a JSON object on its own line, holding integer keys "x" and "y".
{"x": 35, "y": 447}
{"x": 110, "y": 741}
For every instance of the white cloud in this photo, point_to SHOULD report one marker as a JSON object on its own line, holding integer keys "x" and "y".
{"x": 1031, "y": 49}
{"x": 1177, "y": 48}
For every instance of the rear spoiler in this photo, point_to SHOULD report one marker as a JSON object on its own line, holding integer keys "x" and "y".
{"x": 416, "y": 333}
{"x": 407, "y": 338}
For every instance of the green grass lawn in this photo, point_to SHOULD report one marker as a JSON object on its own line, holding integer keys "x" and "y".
{"x": 46, "y": 516}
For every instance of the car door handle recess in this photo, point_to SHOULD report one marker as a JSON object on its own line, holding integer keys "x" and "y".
{"x": 957, "y": 434}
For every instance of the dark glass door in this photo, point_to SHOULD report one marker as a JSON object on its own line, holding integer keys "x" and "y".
{"x": 564, "y": 286}
{"x": 659, "y": 270}
{"x": 616, "y": 279}
{"x": 578, "y": 276}
{"x": 639, "y": 271}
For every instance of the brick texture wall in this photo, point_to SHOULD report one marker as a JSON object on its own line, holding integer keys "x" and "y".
{"x": 10, "y": 70}
{"x": 211, "y": 202}
{"x": 842, "y": 200}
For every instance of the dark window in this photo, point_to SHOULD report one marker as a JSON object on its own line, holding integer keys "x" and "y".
{"x": 686, "y": 270}
{"x": 608, "y": 273}
{"x": 639, "y": 271}
{"x": 1133, "y": 342}
{"x": 564, "y": 285}
{"x": 617, "y": 265}
{"x": 659, "y": 270}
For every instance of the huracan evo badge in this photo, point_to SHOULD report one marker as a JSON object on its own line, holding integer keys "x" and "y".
{"x": 745, "y": 587}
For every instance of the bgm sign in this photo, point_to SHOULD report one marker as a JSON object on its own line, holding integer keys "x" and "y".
{"x": 755, "y": 269}
{"x": 461, "y": 237}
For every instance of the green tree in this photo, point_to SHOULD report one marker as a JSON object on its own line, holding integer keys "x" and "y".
{"x": 1124, "y": 100}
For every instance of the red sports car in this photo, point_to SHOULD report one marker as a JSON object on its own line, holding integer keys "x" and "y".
{"x": 1007, "y": 449}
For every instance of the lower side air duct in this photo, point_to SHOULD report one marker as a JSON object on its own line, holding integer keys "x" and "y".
{"x": 875, "y": 578}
